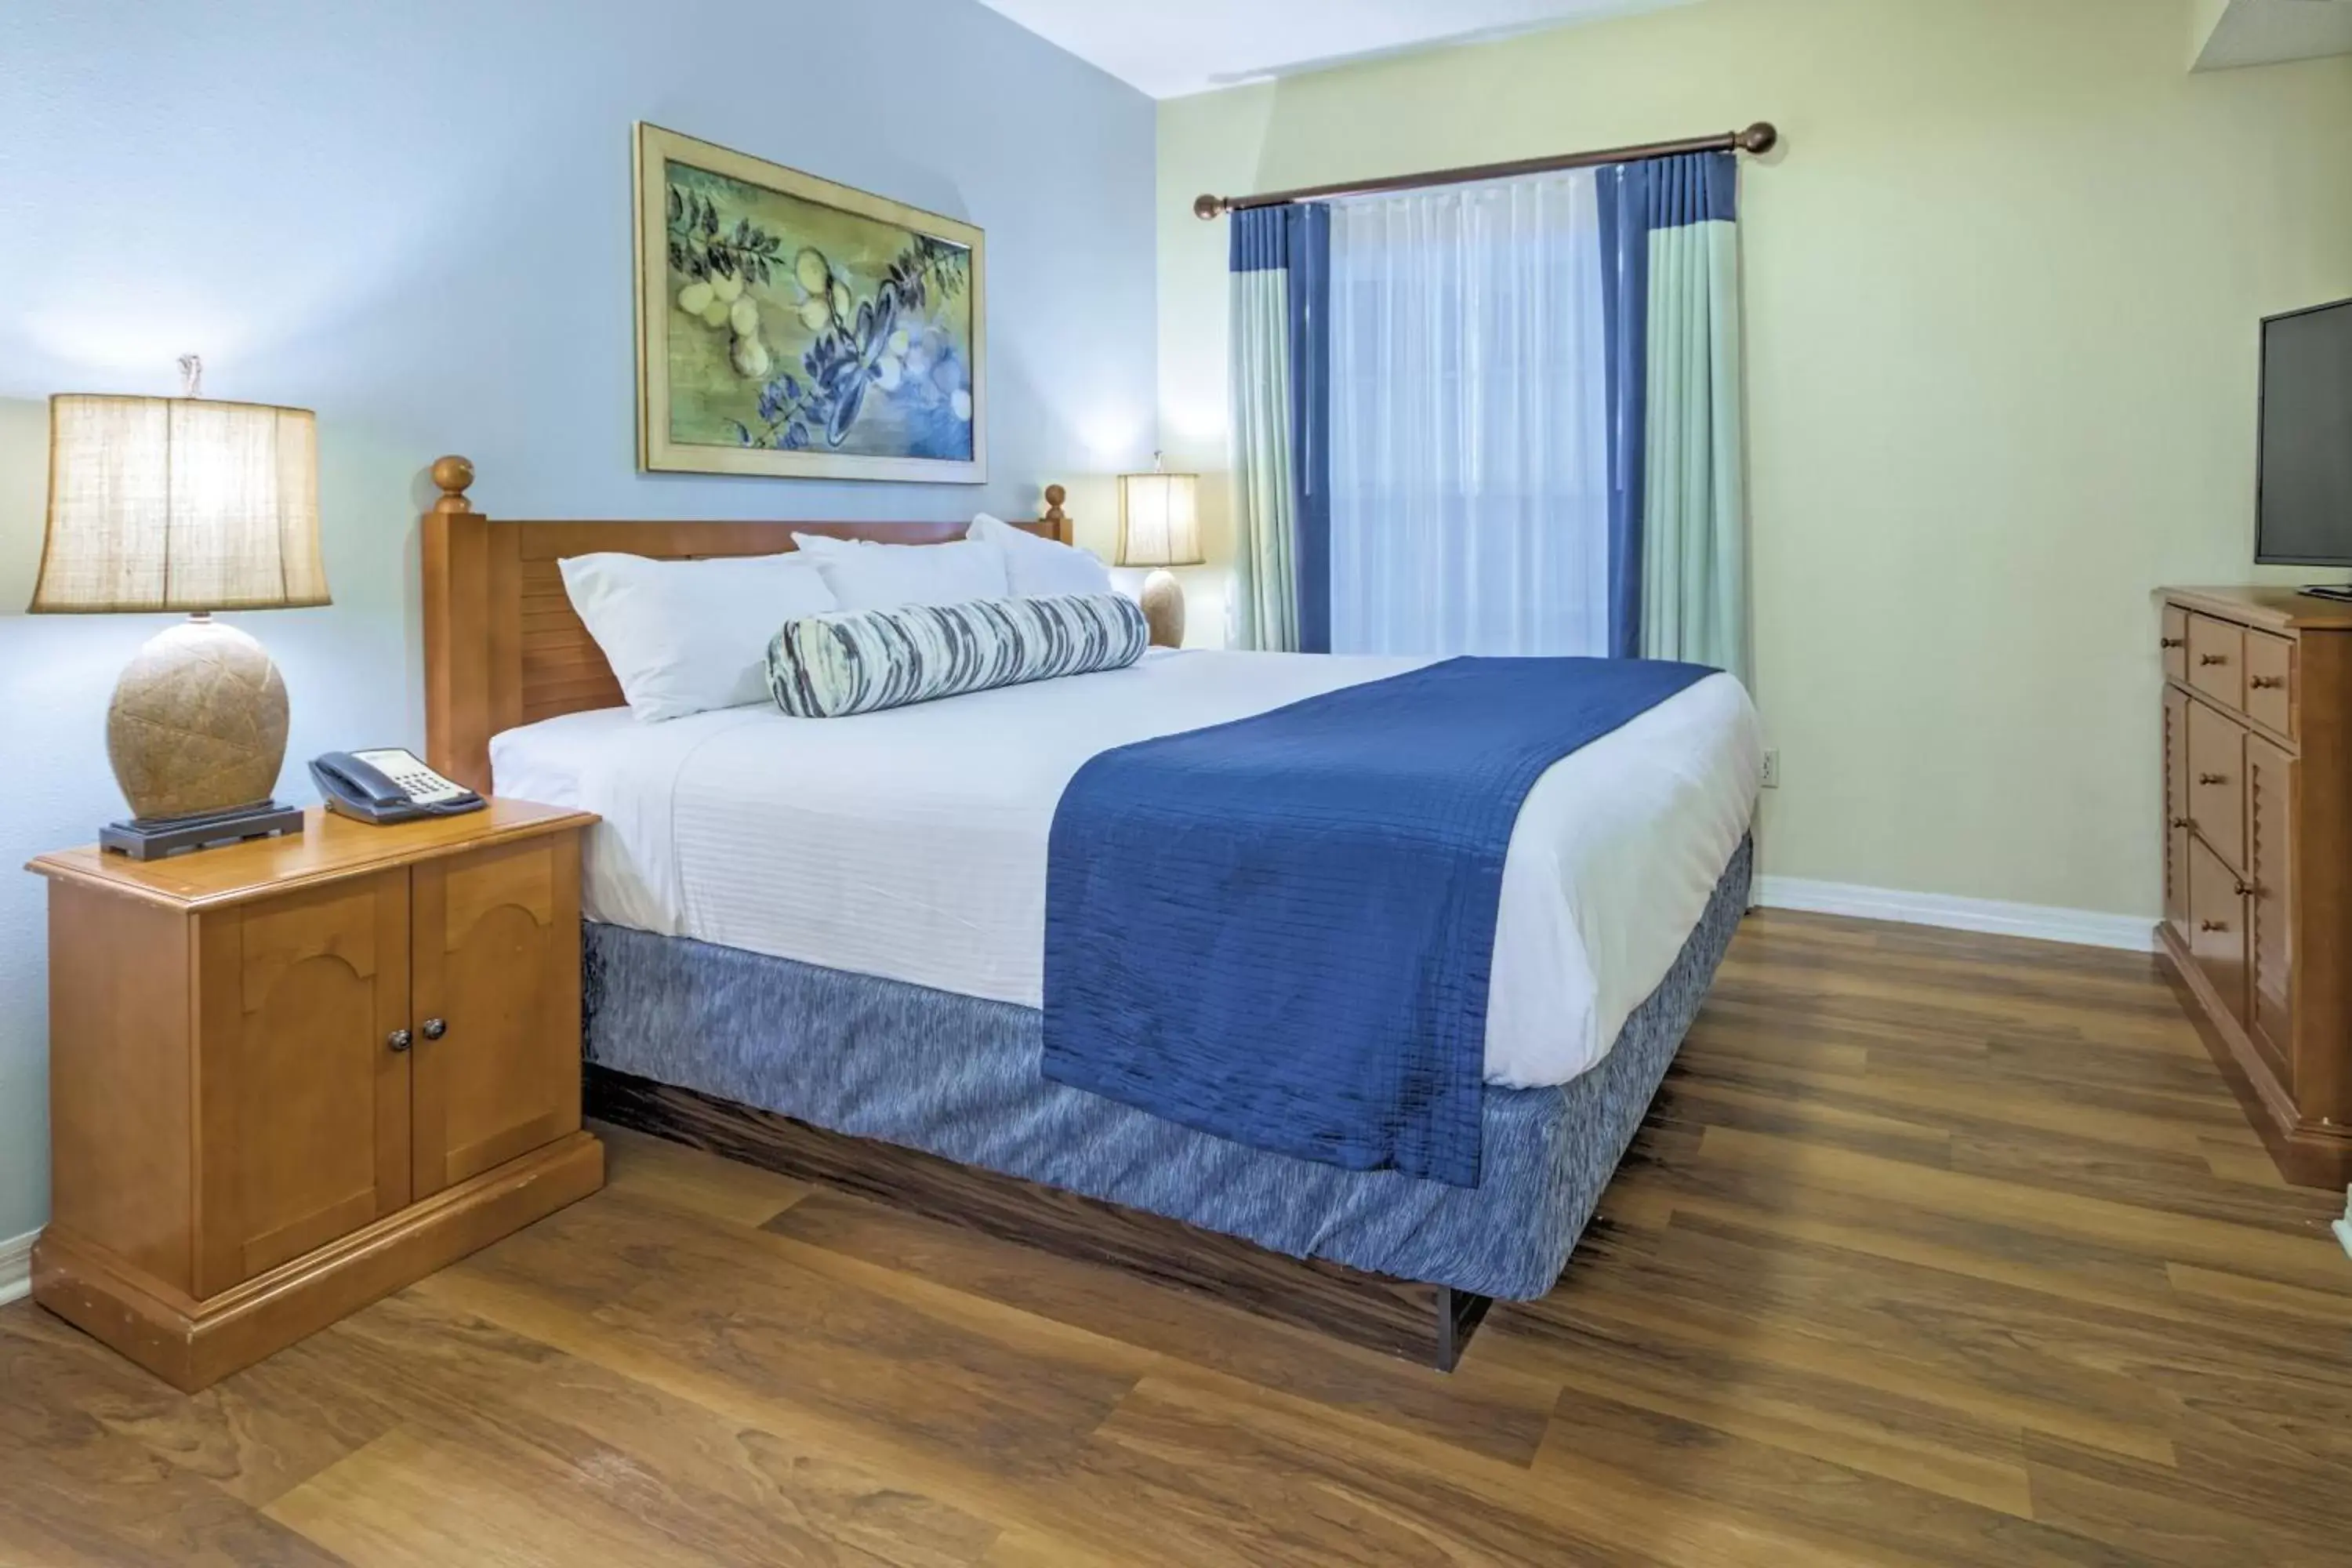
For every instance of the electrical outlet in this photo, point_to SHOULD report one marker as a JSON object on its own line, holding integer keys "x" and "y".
{"x": 1773, "y": 770}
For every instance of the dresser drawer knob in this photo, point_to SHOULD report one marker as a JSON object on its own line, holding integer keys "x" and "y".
{"x": 2212, "y": 925}
{"x": 2184, "y": 821}
{"x": 436, "y": 1027}
{"x": 2172, "y": 642}
{"x": 2268, "y": 682}
{"x": 2213, "y": 778}
{"x": 2213, "y": 659}
{"x": 399, "y": 1040}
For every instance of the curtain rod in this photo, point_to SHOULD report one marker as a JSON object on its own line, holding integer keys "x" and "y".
{"x": 1761, "y": 137}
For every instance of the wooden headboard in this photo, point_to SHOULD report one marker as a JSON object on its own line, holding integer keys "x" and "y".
{"x": 503, "y": 645}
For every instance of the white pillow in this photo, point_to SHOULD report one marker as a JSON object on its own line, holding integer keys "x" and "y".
{"x": 1041, "y": 568}
{"x": 865, "y": 575}
{"x": 684, "y": 637}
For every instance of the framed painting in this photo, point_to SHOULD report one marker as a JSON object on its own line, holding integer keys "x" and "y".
{"x": 790, "y": 326}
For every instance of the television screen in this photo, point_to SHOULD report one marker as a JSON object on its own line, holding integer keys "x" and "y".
{"x": 2306, "y": 508}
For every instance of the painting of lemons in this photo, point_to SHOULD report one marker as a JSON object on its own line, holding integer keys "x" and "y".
{"x": 790, "y": 326}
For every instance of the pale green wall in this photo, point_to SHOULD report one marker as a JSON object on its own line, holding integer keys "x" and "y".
{"x": 2002, "y": 283}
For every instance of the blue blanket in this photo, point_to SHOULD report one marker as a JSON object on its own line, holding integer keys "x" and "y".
{"x": 1280, "y": 929}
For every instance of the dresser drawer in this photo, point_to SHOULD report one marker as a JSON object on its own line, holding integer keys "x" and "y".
{"x": 2217, "y": 782}
{"x": 2270, "y": 681}
{"x": 2173, "y": 643}
{"x": 2217, "y": 660}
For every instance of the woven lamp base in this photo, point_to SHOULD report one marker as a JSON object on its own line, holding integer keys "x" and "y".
{"x": 1163, "y": 609}
{"x": 197, "y": 726}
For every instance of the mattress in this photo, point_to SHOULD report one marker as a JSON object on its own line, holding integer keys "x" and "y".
{"x": 910, "y": 844}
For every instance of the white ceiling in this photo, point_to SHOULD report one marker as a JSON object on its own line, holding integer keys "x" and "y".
{"x": 2266, "y": 32}
{"x": 1168, "y": 47}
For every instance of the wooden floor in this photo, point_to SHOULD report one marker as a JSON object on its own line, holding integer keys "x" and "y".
{"x": 1935, "y": 1249}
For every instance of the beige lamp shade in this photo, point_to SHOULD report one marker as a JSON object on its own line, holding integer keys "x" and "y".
{"x": 1158, "y": 520}
{"x": 179, "y": 503}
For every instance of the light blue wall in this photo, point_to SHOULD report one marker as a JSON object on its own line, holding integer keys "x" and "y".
{"x": 415, "y": 218}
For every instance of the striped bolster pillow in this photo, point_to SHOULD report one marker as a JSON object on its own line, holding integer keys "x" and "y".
{"x": 857, "y": 661}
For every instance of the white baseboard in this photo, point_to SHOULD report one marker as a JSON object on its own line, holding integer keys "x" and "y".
{"x": 16, "y": 1267}
{"x": 2086, "y": 928}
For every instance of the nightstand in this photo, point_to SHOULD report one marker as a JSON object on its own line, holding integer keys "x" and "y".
{"x": 292, "y": 1076}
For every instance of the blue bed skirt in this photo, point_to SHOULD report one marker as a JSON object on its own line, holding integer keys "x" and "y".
{"x": 958, "y": 1077}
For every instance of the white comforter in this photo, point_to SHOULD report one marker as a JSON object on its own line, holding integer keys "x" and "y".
{"x": 911, "y": 844}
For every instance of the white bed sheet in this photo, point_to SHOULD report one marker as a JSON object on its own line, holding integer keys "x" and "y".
{"x": 910, "y": 844}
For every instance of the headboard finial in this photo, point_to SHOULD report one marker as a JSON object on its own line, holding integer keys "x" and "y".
{"x": 453, "y": 474}
{"x": 1054, "y": 496}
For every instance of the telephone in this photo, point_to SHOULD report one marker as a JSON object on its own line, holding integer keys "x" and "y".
{"x": 387, "y": 784}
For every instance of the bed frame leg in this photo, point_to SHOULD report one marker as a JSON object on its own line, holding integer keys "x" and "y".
{"x": 1459, "y": 1313}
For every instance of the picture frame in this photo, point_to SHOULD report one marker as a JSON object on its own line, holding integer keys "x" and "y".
{"x": 792, "y": 327}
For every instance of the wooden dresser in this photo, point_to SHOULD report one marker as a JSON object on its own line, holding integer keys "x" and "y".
{"x": 2257, "y": 928}
{"x": 288, "y": 1076}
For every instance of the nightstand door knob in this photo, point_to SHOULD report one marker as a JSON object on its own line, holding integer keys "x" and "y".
{"x": 436, "y": 1027}
{"x": 398, "y": 1040}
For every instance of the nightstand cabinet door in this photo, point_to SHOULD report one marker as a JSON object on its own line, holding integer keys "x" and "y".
{"x": 496, "y": 950}
{"x": 302, "y": 1102}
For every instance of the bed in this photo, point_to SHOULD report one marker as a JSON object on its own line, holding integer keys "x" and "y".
{"x": 819, "y": 945}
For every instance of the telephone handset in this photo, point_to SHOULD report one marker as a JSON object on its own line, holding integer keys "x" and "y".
{"x": 387, "y": 784}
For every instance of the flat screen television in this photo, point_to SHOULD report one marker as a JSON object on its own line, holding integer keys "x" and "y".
{"x": 2305, "y": 511}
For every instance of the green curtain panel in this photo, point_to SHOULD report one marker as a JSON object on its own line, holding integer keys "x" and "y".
{"x": 1679, "y": 512}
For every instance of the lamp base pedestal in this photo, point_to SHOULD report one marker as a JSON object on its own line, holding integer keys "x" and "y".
{"x": 1163, "y": 609}
{"x": 197, "y": 730}
{"x": 152, "y": 838}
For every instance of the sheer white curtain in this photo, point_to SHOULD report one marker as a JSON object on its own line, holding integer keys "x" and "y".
{"x": 1469, "y": 444}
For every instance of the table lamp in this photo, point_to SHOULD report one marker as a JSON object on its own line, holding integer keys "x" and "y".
{"x": 1159, "y": 527}
{"x": 184, "y": 503}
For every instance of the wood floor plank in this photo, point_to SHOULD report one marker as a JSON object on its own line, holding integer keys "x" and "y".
{"x": 1464, "y": 1510}
{"x": 1027, "y": 1499}
{"x": 726, "y": 1298}
{"x": 2290, "y": 1258}
{"x": 408, "y": 1500}
{"x": 254, "y": 1435}
{"x": 670, "y": 1173}
{"x": 2167, "y": 1517}
{"x": 1870, "y": 1516}
{"x": 2246, "y": 1161}
{"x": 1903, "y": 1373}
{"x": 1943, "y": 1101}
{"x": 629, "y": 1472}
{"x": 1893, "y": 1003}
{"x": 1919, "y": 1442}
{"x": 1935, "y": 1249}
{"x": 1703, "y": 1103}
{"x": 73, "y": 1491}
{"x": 1488, "y": 1411}
{"x": 2242, "y": 1294}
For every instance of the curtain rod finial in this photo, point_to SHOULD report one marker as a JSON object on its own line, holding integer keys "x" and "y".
{"x": 1761, "y": 137}
{"x": 1207, "y": 207}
